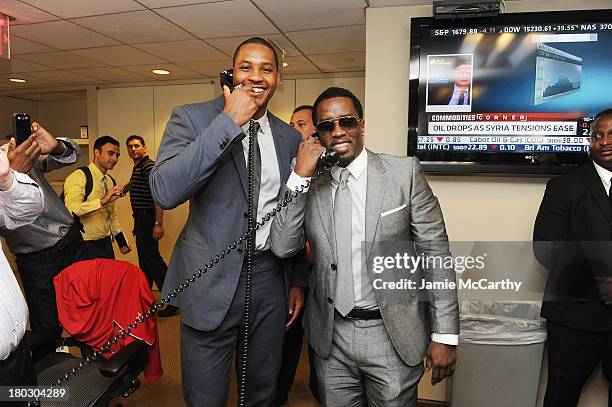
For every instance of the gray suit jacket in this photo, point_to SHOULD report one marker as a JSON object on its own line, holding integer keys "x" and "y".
{"x": 200, "y": 159}
{"x": 409, "y": 315}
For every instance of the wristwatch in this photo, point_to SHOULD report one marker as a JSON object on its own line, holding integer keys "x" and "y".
{"x": 158, "y": 224}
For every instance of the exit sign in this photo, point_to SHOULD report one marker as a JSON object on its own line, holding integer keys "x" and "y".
{"x": 5, "y": 41}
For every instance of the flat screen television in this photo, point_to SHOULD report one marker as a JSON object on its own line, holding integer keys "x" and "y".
{"x": 512, "y": 94}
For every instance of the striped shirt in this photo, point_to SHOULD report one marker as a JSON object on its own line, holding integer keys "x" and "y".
{"x": 140, "y": 192}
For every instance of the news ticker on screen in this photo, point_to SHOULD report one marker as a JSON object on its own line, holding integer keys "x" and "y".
{"x": 522, "y": 29}
{"x": 506, "y": 132}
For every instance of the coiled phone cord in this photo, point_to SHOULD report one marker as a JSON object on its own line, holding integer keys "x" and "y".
{"x": 327, "y": 163}
{"x": 250, "y": 252}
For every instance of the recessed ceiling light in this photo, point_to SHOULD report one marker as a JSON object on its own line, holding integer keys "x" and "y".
{"x": 17, "y": 80}
{"x": 285, "y": 64}
{"x": 160, "y": 72}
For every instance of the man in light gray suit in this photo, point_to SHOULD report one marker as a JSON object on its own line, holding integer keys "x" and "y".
{"x": 202, "y": 158}
{"x": 370, "y": 342}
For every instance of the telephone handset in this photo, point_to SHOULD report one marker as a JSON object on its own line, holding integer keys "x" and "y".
{"x": 227, "y": 78}
{"x": 328, "y": 158}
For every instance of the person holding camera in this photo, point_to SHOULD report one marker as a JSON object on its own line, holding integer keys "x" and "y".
{"x": 52, "y": 242}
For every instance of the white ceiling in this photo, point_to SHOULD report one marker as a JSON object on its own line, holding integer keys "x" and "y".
{"x": 55, "y": 43}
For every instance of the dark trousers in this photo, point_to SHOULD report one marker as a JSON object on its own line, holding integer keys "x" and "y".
{"x": 292, "y": 349}
{"x": 573, "y": 355}
{"x": 206, "y": 356}
{"x": 100, "y": 249}
{"x": 37, "y": 271}
{"x": 149, "y": 258}
{"x": 17, "y": 370}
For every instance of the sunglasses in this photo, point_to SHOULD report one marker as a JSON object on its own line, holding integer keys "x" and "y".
{"x": 346, "y": 122}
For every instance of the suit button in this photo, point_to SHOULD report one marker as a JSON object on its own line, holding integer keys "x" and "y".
{"x": 221, "y": 146}
{"x": 334, "y": 267}
{"x": 245, "y": 215}
{"x": 330, "y": 300}
{"x": 240, "y": 251}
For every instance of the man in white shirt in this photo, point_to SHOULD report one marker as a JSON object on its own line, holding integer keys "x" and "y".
{"x": 369, "y": 342}
{"x": 21, "y": 202}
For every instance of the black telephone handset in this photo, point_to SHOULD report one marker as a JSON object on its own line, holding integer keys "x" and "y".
{"x": 328, "y": 158}
{"x": 22, "y": 127}
{"x": 227, "y": 78}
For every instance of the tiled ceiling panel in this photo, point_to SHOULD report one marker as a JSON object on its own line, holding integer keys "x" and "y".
{"x": 118, "y": 56}
{"x": 325, "y": 41}
{"x": 63, "y": 77}
{"x": 62, "y": 35}
{"x": 61, "y": 60}
{"x": 223, "y": 19}
{"x": 79, "y": 8}
{"x": 20, "y": 46}
{"x": 228, "y": 45}
{"x": 135, "y": 27}
{"x": 181, "y": 51}
{"x": 296, "y": 15}
{"x": 208, "y": 69}
{"x": 23, "y": 13}
{"x": 299, "y": 65}
{"x": 340, "y": 62}
{"x": 176, "y": 72}
{"x": 111, "y": 74}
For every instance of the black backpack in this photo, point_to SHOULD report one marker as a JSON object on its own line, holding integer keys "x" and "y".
{"x": 88, "y": 183}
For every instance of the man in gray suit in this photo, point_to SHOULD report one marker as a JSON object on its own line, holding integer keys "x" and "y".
{"x": 202, "y": 158}
{"x": 370, "y": 342}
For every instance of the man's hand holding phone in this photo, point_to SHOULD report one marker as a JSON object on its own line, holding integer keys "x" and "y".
{"x": 240, "y": 104}
{"x": 48, "y": 144}
{"x": 308, "y": 156}
{"x": 23, "y": 156}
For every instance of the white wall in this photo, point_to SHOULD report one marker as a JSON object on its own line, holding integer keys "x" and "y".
{"x": 475, "y": 208}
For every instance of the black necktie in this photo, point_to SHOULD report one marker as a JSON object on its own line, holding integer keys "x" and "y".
{"x": 461, "y": 98}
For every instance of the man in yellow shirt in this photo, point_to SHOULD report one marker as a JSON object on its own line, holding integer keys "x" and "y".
{"x": 94, "y": 204}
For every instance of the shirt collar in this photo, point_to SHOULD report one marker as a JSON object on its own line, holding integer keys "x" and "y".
{"x": 356, "y": 167}
{"x": 263, "y": 124}
{"x": 458, "y": 89}
{"x": 95, "y": 171}
{"x": 604, "y": 174}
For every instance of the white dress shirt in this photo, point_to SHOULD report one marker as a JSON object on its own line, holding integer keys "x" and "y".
{"x": 457, "y": 94}
{"x": 21, "y": 204}
{"x": 270, "y": 177}
{"x": 605, "y": 175}
{"x": 363, "y": 287}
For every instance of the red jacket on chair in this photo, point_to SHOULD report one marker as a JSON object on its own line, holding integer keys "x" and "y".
{"x": 98, "y": 298}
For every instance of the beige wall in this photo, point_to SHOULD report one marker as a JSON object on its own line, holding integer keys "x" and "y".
{"x": 474, "y": 207}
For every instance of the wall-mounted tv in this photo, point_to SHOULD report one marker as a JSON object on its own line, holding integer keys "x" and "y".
{"x": 512, "y": 94}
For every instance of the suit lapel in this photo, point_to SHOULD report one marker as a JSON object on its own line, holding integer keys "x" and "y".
{"x": 375, "y": 195}
{"x": 323, "y": 194}
{"x": 595, "y": 187}
{"x": 236, "y": 150}
{"x": 240, "y": 162}
{"x": 282, "y": 148}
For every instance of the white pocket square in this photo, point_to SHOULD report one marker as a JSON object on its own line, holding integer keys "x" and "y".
{"x": 389, "y": 212}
